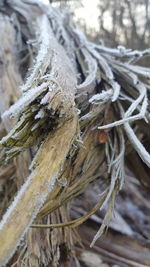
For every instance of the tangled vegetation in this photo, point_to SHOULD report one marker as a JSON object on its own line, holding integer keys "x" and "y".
{"x": 83, "y": 108}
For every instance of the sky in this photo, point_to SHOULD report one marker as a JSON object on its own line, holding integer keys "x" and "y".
{"x": 88, "y": 12}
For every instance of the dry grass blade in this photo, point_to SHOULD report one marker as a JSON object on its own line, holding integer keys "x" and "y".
{"x": 75, "y": 223}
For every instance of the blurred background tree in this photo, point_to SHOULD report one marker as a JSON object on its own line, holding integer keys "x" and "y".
{"x": 129, "y": 22}
{"x": 119, "y": 22}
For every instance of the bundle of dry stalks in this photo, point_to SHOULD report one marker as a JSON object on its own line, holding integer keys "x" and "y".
{"x": 82, "y": 110}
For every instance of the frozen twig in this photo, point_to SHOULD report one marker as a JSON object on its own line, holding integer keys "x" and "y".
{"x": 142, "y": 97}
